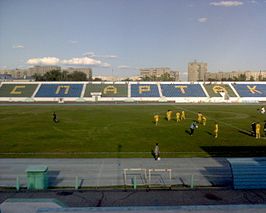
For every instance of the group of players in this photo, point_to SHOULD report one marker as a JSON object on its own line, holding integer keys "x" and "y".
{"x": 201, "y": 119}
{"x": 256, "y": 126}
{"x": 256, "y": 129}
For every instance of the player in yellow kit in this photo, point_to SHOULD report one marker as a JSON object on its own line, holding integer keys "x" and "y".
{"x": 204, "y": 120}
{"x": 183, "y": 115}
{"x": 156, "y": 119}
{"x": 258, "y": 130}
{"x": 199, "y": 117}
{"x": 169, "y": 114}
{"x": 177, "y": 116}
{"x": 216, "y": 129}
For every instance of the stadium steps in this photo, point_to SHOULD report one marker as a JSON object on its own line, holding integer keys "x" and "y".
{"x": 248, "y": 173}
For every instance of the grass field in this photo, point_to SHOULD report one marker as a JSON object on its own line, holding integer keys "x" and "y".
{"x": 127, "y": 131}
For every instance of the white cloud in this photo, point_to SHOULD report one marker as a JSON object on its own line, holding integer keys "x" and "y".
{"x": 73, "y": 41}
{"x": 89, "y": 54}
{"x": 202, "y": 19}
{"x": 85, "y": 61}
{"x": 81, "y": 61}
{"x": 18, "y": 46}
{"x": 93, "y": 55}
{"x": 73, "y": 61}
{"x": 227, "y": 3}
{"x": 108, "y": 56}
{"x": 123, "y": 67}
{"x": 43, "y": 61}
{"x": 106, "y": 65}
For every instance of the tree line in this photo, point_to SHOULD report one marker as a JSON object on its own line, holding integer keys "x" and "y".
{"x": 241, "y": 77}
{"x": 57, "y": 75}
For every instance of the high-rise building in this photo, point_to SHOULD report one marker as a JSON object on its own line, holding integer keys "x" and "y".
{"x": 158, "y": 72}
{"x": 41, "y": 70}
{"x": 197, "y": 71}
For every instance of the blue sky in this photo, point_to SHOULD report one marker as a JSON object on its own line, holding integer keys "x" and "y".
{"x": 125, "y": 35}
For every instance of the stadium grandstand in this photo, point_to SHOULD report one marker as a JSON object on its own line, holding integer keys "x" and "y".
{"x": 107, "y": 90}
{"x": 230, "y": 92}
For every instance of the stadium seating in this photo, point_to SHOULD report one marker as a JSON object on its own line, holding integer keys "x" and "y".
{"x": 131, "y": 91}
{"x": 144, "y": 90}
{"x": 182, "y": 90}
{"x": 248, "y": 173}
{"x": 214, "y": 90}
{"x": 107, "y": 90}
{"x": 250, "y": 90}
{"x": 59, "y": 90}
{"x": 17, "y": 90}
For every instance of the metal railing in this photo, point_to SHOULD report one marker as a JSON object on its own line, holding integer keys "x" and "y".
{"x": 127, "y": 178}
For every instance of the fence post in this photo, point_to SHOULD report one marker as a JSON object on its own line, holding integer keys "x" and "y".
{"x": 134, "y": 182}
{"x": 192, "y": 181}
{"x": 77, "y": 183}
{"x": 17, "y": 183}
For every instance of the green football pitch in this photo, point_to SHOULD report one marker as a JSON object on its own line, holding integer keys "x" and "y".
{"x": 127, "y": 131}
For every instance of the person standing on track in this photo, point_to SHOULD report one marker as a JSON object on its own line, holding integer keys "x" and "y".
{"x": 156, "y": 152}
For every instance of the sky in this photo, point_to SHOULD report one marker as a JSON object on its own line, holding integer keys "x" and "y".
{"x": 121, "y": 36}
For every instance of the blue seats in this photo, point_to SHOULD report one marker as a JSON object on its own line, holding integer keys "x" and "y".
{"x": 144, "y": 90}
{"x": 182, "y": 90}
{"x": 250, "y": 90}
{"x": 60, "y": 90}
{"x": 248, "y": 173}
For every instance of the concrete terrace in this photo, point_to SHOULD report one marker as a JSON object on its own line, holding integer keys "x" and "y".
{"x": 110, "y": 172}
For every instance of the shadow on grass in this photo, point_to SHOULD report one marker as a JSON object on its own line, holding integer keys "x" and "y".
{"x": 245, "y": 132}
{"x": 235, "y": 151}
{"x": 209, "y": 133}
{"x": 188, "y": 132}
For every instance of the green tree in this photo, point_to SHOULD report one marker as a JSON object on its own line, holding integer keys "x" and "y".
{"x": 146, "y": 78}
{"x": 77, "y": 76}
{"x": 54, "y": 75}
{"x": 166, "y": 77}
{"x": 127, "y": 79}
{"x": 38, "y": 77}
{"x": 64, "y": 76}
{"x": 97, "y": 79}
{"x": 242, "y": 77}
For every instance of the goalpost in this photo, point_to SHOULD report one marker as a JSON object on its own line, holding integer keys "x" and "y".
{"x": 135, "y": 176}
{"x": 163, "y": 177}
{"x": 155, "y": 177}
